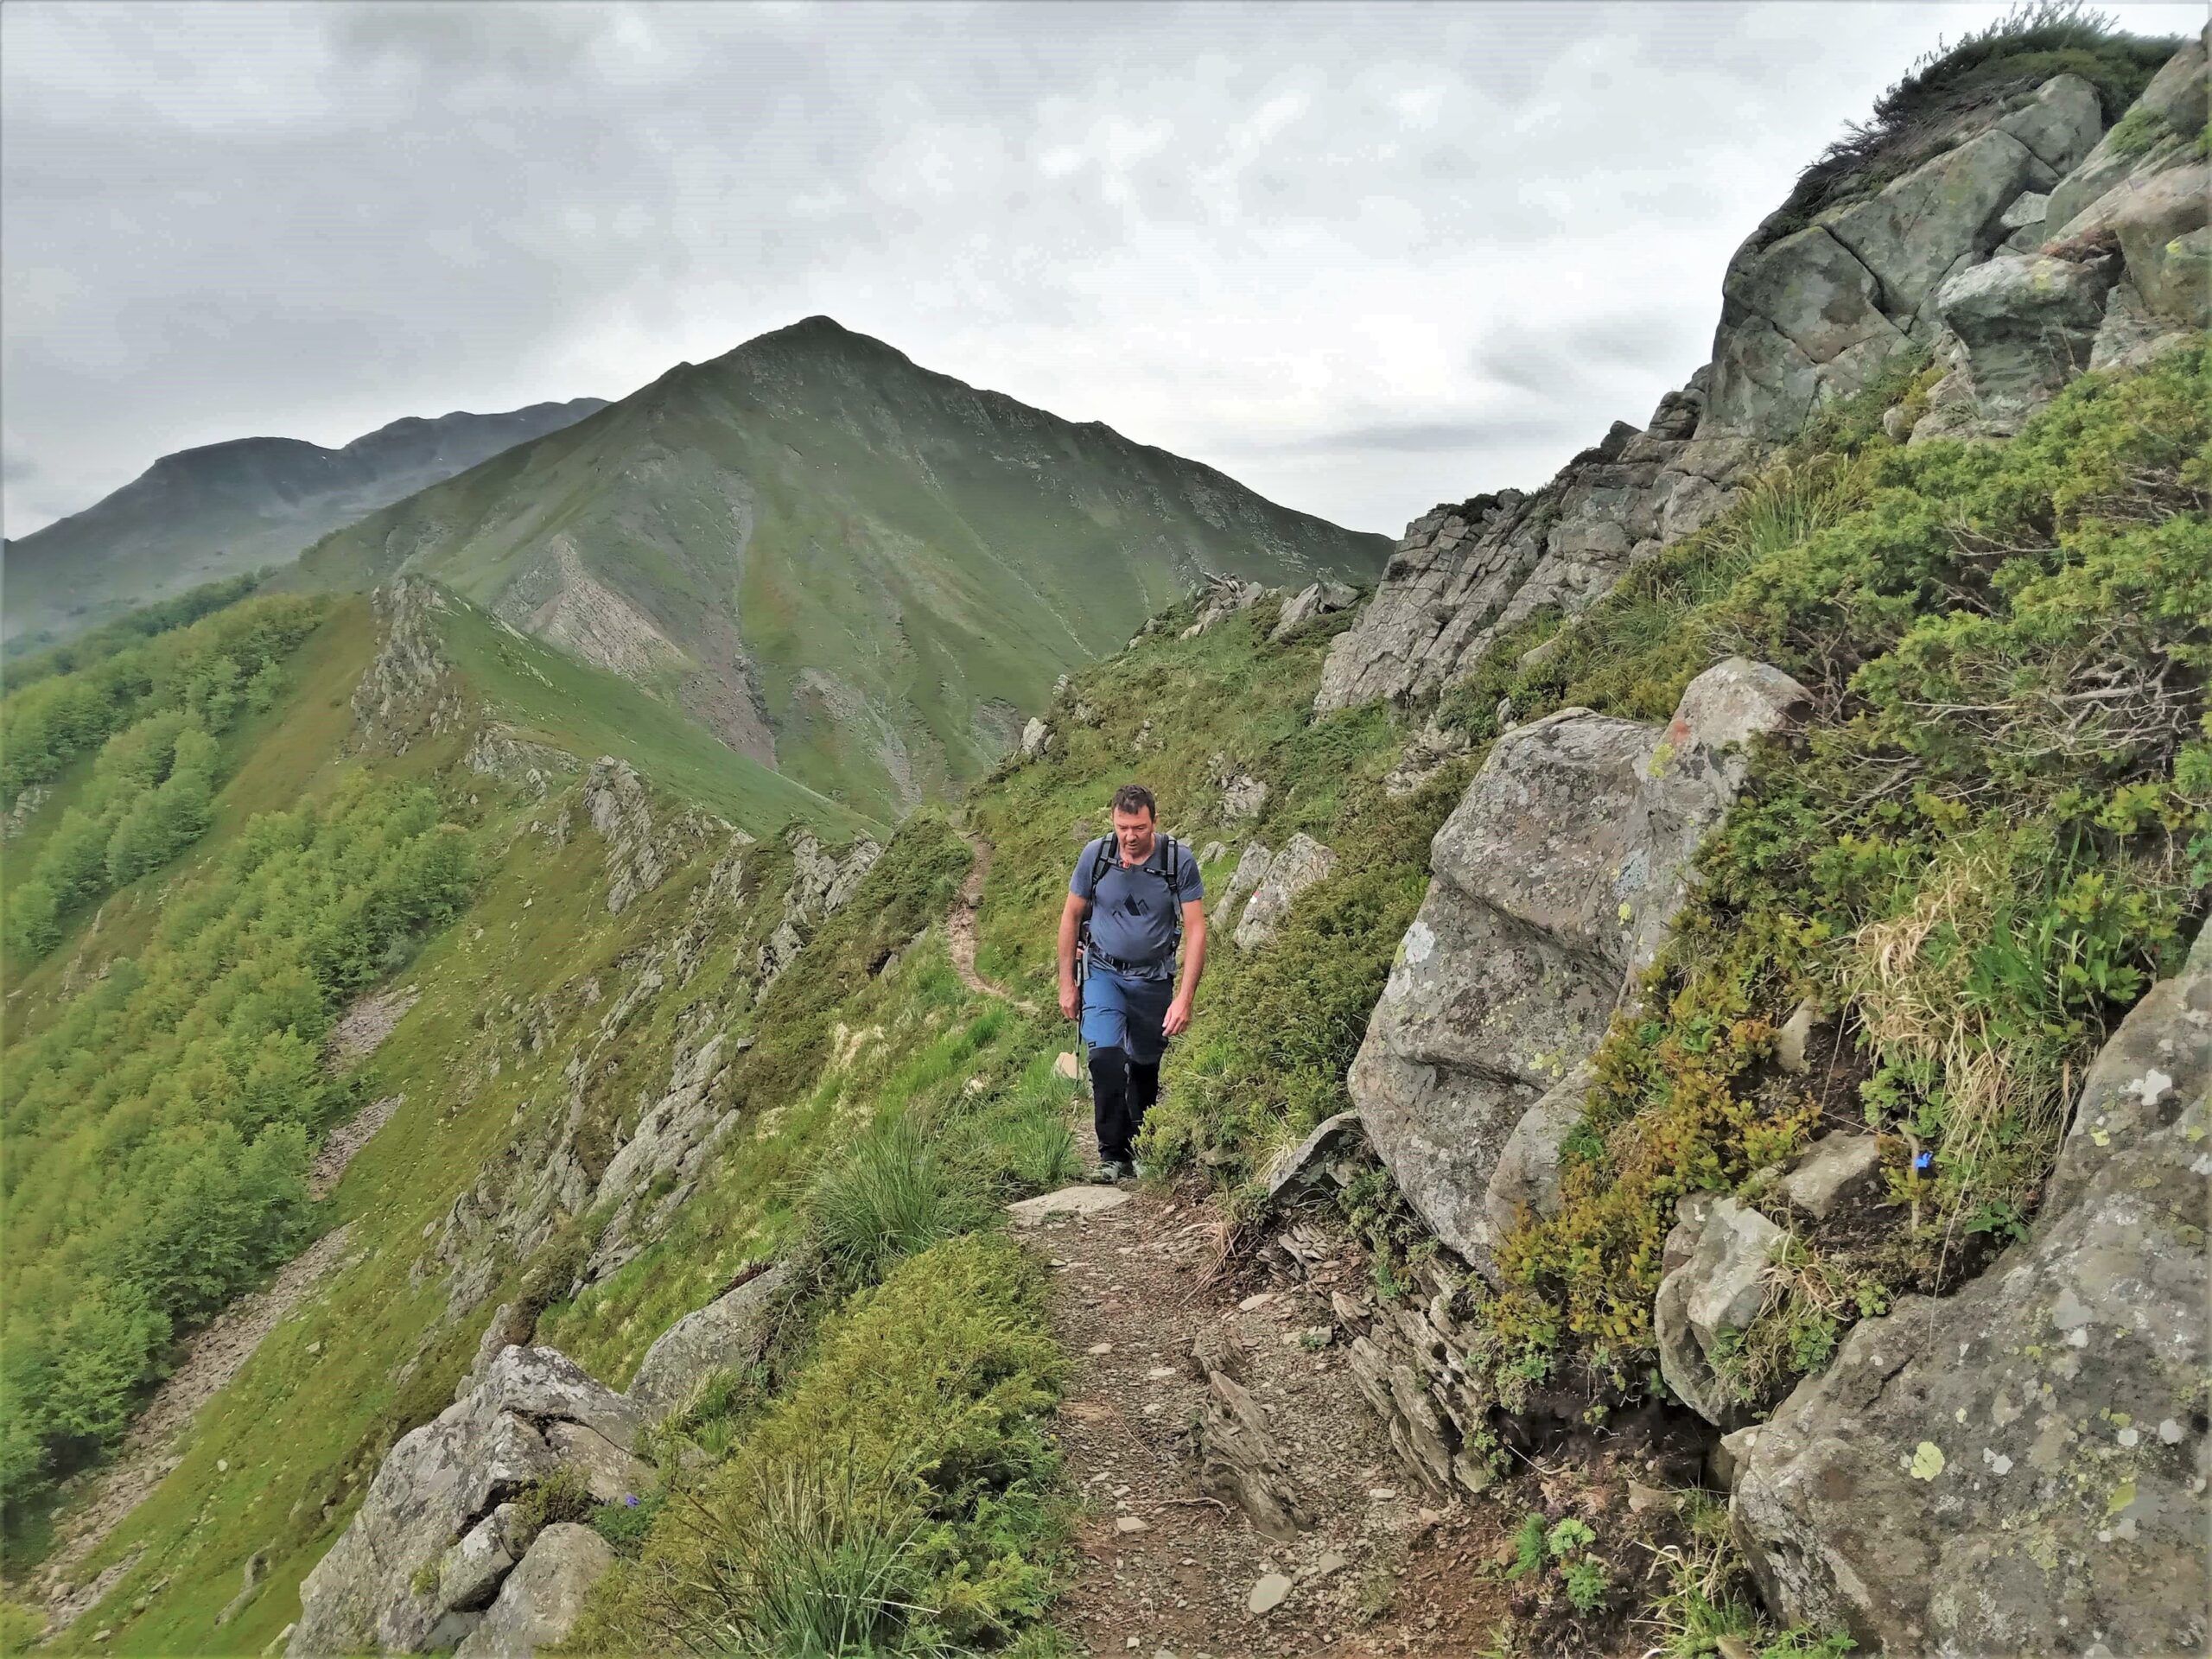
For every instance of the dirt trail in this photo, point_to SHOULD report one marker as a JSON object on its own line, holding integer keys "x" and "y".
{"x": 1166, "y": 1567}
{"x": 960, "y": 928}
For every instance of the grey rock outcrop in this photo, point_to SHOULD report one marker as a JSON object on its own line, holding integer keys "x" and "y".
{"x": 729, "y": 1333}
{"x": 1321, "y": 599}
{"x": 640, "y": 850}
{"x": 1555, "y": 880}
{"x": 543, "y": 1598}
{"x": 1251, "y": 870}
{"x": 1222, "y": 598}
{"x": 1716, "y": 1259}
{"x": 820, "y": 883}
{"x": 1463, "y": 573}
{"x": 1036, "y": 738}
{"x": 409, "y": 691}
{"x": 535, "y": 1411}
{"x": 2021, "y": 1467}
{"x": 1298, "y": 866}
{"x": 1325, "y": 1144}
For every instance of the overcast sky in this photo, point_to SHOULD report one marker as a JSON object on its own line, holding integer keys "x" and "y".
{"x": 1363, "y": 257}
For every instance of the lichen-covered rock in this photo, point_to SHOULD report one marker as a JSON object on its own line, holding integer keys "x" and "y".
{"x": 2021, "y": 1467}
{"x": 543, "y": 1598}
{"x": 1555, "y": 880}
{"x": 2161, "y": 224}
{"x": 2175, "y": 102}
{"x": 1036, "y": 738}
{"x": 1527, "y": 1173}
{"x": 1298, "y": 866}
{"x": 534, "y": 1410}
{"x": 729, "y": 1333}
{"x": 2028, "y": 324}
{"x": 1723, "y": 1251}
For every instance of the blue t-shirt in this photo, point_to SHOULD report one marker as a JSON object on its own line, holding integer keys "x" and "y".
{"x": 1133, "y": 915}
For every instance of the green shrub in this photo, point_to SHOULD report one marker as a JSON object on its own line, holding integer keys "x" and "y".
{"x": 562, "y": 1497}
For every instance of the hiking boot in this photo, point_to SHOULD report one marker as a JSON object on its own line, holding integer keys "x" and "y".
{"x": 1113, "y": 1169}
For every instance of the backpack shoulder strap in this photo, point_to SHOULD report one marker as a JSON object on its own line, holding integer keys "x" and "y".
{"x": 1101, "y": 857}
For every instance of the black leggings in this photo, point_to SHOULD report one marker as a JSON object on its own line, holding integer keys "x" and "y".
{"x": 1122, "y": 1091}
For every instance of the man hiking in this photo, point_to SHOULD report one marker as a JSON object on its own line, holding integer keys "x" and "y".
{"x": 1141, "y": 894}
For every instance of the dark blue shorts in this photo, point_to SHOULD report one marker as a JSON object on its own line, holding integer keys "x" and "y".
{"x": 1121, "y": 1011}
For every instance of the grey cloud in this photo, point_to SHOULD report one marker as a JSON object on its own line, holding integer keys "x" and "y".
{"x": 1382, "y": 255}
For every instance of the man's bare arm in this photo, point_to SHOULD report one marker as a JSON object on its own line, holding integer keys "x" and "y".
{"x": 1071, "y": 922}
{"x": 1194, "y": 965}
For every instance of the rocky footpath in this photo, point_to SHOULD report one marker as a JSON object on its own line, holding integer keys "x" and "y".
{"x": 2033, "y": 246}
{"x": 448, "y": 1546}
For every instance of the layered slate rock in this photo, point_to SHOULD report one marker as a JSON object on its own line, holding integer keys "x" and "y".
{"x": 1464, "y": 572}
{"x": 1320, "y": 599}
{"x": 534, "y": 1412}
{"x": 2021, "y": 1467}
{"x": 1555, "y": 880}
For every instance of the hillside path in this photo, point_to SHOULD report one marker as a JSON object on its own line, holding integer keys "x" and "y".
{"x": 1166, "y": 1568}
{"x": 960, "y": 928}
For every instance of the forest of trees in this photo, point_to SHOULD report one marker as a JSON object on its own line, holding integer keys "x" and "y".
{"x": 159, "y": 1128}
{"x": 149, "y": 709}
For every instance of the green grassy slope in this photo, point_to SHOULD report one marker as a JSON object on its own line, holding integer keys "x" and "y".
{"x": 883, "y": 562}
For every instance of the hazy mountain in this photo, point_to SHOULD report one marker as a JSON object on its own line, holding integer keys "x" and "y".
{"x": 838, "y": 559}
{"x": 203, "y": 514}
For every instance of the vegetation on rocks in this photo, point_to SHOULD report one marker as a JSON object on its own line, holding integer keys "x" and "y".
{"x": 1991, "y": 841}
{"x": 1917, "y": 116}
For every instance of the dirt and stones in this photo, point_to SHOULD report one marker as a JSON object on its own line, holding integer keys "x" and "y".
{"x": 1167, "y": 1565}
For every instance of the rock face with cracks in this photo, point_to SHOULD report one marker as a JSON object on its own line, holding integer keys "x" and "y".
{"x": 1555, "y": 880}
{"x": 534, "y": 1412}
{"x": 2021, "y": 1467}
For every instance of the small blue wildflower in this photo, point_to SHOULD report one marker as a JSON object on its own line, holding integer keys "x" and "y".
{"x": 629, "y": 1500}
{"x": 1923, "y": 1161}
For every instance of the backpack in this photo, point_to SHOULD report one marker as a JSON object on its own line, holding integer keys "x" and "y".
{"x": 1170, "y": 871}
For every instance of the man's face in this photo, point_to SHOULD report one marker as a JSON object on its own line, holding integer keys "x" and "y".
{"x": 1133, "y": 834}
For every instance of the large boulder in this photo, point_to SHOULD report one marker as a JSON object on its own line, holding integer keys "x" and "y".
{"x": 543, "y": 1598}
{"x": 1555, "y": 880}
{"x": 2022, "y": 1467}
{"x": 728, "y": 1334}
{"x": 2174, "y": 101}
{"x": 389, "y": 1582}
{"x": 1945, "y": 213}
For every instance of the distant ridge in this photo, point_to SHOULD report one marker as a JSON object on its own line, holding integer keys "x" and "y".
{"x": 202, "y": 514}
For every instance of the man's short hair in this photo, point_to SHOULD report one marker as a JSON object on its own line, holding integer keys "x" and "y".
{"x": 1135, "y": 797}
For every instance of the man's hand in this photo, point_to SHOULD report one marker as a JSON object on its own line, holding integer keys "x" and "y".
{"x": 1071, "y": 999}
{"x": 1179, "y": 1017}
